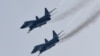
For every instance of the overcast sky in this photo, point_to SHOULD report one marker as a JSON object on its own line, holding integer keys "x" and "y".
{"x": 70, "y": 15}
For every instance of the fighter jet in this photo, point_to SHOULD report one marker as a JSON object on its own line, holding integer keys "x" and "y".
{"x": 39, "y": 21}
{"x": 48, "y": 44}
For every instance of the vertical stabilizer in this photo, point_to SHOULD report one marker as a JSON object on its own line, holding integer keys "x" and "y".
{"x": 55, "y": 34}
{"x": 37, "y": 18}
{"x": 46, "y": 41}
{"x": 46, "y": 12}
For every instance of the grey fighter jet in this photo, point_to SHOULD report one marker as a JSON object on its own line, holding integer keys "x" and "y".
{"x": 39, "y": 21}
{"x": 48, "y": 44}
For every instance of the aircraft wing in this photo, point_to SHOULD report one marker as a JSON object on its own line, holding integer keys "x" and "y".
{"x": 37, "y": 48}
{"x": 27, "y": 23}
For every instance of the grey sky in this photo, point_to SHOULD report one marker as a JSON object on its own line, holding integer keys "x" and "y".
{"x": 16, "y": 42}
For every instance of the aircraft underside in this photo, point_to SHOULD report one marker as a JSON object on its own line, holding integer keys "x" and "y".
{"x": 41, "y": 24}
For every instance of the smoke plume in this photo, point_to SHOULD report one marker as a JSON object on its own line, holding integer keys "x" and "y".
{"x": 70, "y": 11}
{"x": 83, "y": 25}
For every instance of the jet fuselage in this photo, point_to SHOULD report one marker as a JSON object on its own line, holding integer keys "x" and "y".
{"x": 49, "y": 45}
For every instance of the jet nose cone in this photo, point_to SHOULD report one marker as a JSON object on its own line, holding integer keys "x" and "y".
{"x": 33, "y": 51}
{"x": 21, "y": 27}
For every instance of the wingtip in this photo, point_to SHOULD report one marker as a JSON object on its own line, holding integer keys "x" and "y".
{"x": 28, "y": 32}
{"x": 39, "y": 54}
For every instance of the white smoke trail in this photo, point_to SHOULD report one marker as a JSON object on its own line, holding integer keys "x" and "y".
{"x": 61, "y": 3}
{"x": 83, "y": 25}
{"x": 70, "y": 11}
